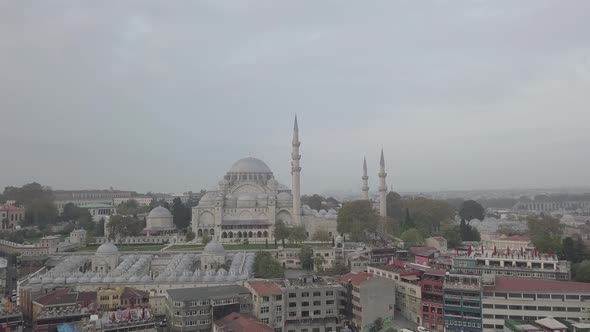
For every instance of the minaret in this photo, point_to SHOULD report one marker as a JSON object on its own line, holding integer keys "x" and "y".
{"x": 382, "y": 187}
{"x": 295, "y": 174}
{"x": 365, "y": 189}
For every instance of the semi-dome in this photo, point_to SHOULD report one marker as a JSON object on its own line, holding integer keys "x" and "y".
{"x": 250, "y": 165}
{"x": 160, "y": 212}
{"x": 214, "y": 247}
{"x": 107, "y": 248}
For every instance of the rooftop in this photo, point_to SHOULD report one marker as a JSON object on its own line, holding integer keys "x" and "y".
{"x": 551, "y": 324}
{"x": 355, "y": 278}
{"x": 435, "y": 272}
{"x": 394, "y": 268}
{"x": 423, "y": 251}
{"x": 129, "y": 293}
{"x": 265, "y": 288}
{"x": 187, "y": 294}
{"x": 236, "y": 322}
{"x": 539, "y": 285}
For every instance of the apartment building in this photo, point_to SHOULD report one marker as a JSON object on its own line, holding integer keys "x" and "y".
{"x": 516, "y": 263}
{"x": 312, "y": 304}
{"x": 408, "y": 293}
{"x": 533, "y": 299}
{"x": 195, "y": 309}
{"x": 432, "y": 284}
{"x": 289, "y": 258}
{"x": 10, "y": 216}
{"x": 462, "y": 303}
{"x": 368, "y": 297}
{"x": 268, "y": 302}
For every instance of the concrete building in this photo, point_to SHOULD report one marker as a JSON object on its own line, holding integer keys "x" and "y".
{"x": 120, "y": 297}
{"x": 10, "y": 216}
{"x": 268, "y": 302}
{"x": 195, "y": 309}
{"x": 462, "y": 303}
{"x": 78, "y": 236}
{"x": 63, "y": 305}
{"x": 432, "y": 284}
{"x": 516, "y": 242}
{"x": 368, "y": 297}
{"x": 236, "y": 322}
{"x": 532, "y": 299}
{"x": 83, "y": 197}
{"x": 99, "y": 211}
{"x": 513, "y": 263}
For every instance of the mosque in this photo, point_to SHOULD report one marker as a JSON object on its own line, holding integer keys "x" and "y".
{"x": 248, "y": 201}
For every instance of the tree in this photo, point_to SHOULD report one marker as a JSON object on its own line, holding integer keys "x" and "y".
{"x": 395, "y": 206}
{"x": 314, "y": 201}
{"x": 450, "y": 231}
{"x": 318, "y": 262}
{"x": 357, "y": 218}
{"x": 306, "y": 258}
{"x": 412, "y": 237}
{"x": 190, "y": 236}
{"x": 265, "y": 266}
{"x": 99, "y": 229}
{"x": 378, "y": 324}
{"x": 206, "y": 239}
{"x": 123, "y": 226}
{"x": 128, "y": 208}
{"x": 470, "y": 210}
{"x": 321, "y": 235}
{"x": 582, "y": 272}
{"x": 181, "y": 214}
{"x": 545, "y": 232}
{"x": 297, "y": 234}
{"x": 426, "y": 214}
{"x": 281, "y": 231}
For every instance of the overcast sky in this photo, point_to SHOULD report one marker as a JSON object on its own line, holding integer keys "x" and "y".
{"x": 166, "y": 95}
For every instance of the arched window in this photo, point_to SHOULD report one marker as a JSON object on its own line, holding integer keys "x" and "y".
{"x": 249, "y": 234}
{"x": 265, "y": 234}
{"x": 223, "y": 235}
{"x": 200, "y": 233}
{"x": 211, "y": 232}
{"x": 259, "y": 234}
{"x": 240, "y": 235}
{"x": 206, "y": 232}
{"x": 231, "y": 234}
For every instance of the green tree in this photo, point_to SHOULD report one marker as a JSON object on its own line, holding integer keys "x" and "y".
{"x": 281, "y": 231}
{"x": 120, "y": 226}
{"x": 318, "y": 263}
{"x": 582, "y": 272}
{"x": 450, "y": 231}
{"x": 378, "y": 324}
{"x": 427, "y": 214}
{"x": 395, "y": 206}
{"x": 321, "y": 235}
{"x": 306, "y": 258}
{"x": 128, "y": 208}
{"x": 545, "y": 232}
{"x": 470, "y": 210}
{"x": 190, "y": 236}
{"x": 412, "y": 237}
{"x": 265, "y": 266}
{"x": 357, "y": 218}
{"x": 99, "y": 229}
{"x": 297, "y": 234}
{"x": 181, "y": 214}
{"x": 314, "y": 201}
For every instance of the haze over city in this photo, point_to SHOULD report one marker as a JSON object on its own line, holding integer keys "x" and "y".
{"x": 148, "y": 96}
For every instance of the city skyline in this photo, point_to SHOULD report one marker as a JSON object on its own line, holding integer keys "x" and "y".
{"x": 460, "y": 95}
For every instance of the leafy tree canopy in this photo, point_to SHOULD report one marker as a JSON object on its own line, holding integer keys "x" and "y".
{"x": 128, "y": 208}
{"x": 470, "y": 210}
{"x": 281, "y": 231}
{"x": 545, "y": 232}
{"x": 306, "y": 258}
{"x": 357, "y": 218}
{"x": 265, "y": 266}
{"x": 395, "y": 206}
{"x": 427, "y": 214}
{"x": 297, "y": 234}
{"x": 412, "y": 237}
{"x": 120, "y": 226}
{"x": 321, "y": 235}
{"x": 181, "y": 213}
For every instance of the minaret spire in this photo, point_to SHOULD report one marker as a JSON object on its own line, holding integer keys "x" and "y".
{"x": 365, "y": 189}
{"x": 296, "y": 174}
{"x": 382, "y": 187}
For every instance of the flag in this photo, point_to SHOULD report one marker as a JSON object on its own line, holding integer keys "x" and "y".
{"x": 521, "y": 251}
{"x": 495, "y": 251}
{"x": 550, "y": 252}
{"x": 507, "y": 251}
{"x": 469, "y": 251}
{"x": 482, "y": 250}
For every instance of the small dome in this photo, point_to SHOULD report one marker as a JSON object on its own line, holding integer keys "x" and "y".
{"x": 250, "y": 165}
{"x": 108, "y": 248}
{"x": 214, "y": 247}
{"x": 160, "y": 212}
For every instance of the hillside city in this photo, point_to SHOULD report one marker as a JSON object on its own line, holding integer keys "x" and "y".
{"x": 252, "y": 254}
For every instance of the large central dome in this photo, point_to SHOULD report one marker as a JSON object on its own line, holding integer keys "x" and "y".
{"x": 250, "y": 165}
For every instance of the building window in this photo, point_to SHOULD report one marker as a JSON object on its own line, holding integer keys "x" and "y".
{"x": 317, "y": 312}
{"x": 305, "y": 304}
{"x": 264, "y": 321}
{"x": 264, "y": 310}
{"x": 278, "y": 298}
{"x": 305, "y": 294}
{"x": 317, "y": 302}
{"x": 329, "y": 293}
{"x": 317, "y": 294}
{"x": 292, "y": 295}
{"x": 279, "y": 308}
{"x": 265, "y": 299}
{"x": 292, "y": 304}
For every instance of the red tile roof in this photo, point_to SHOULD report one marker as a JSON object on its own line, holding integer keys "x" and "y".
{"x": 58, "y": 297}
{"x": 265, "y": 288}
{"x": 355, "y": 278}
{"x": 537, "y": 285}
{"x": 236, "y": 322}
{"x": 436, "y": 272}
{"x": 132, "y": 293}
